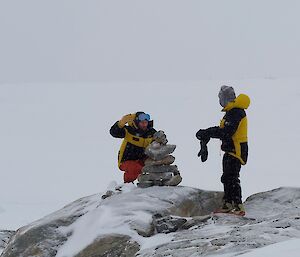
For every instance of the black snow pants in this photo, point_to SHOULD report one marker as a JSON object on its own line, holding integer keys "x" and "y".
{"x": 230, "y": 179}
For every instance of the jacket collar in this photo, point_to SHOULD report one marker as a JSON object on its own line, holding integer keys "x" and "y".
{"x": 241, "y": 102}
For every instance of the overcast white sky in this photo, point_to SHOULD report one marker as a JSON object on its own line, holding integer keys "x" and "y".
{"x": 117, "y": 40}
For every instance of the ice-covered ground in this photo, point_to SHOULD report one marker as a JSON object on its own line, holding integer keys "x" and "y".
{"x": 290, "y": 248}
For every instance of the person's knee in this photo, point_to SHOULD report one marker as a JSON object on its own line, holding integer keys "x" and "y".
{"x": 129, "y": 177}
{"x": 235, "y": 181}
{"x": 131, "y": 169}
{"x": 230, "y": 179}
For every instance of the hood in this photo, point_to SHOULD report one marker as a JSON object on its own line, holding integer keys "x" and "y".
{"x": 241, "y": 102}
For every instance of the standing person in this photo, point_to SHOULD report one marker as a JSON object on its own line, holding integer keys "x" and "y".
{"x": 137, "y": 134}
{"x": 233, "y": 134}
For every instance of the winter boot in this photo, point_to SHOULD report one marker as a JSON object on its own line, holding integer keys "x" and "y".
{"x": 238, "y": 209}
{"x": 226, "y": 208}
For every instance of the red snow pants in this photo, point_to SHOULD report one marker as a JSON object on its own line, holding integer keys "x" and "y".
{"x": 132, "y": 169}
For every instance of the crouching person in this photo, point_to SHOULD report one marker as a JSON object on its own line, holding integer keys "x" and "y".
{"x": 233, "y": 134}
{"x": 137, "y": 132}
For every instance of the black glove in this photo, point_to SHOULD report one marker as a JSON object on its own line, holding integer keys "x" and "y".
{"x": 202, "y": 134}
{"x": 203, "y": 153}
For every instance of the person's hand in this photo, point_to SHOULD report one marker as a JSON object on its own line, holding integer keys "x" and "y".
{"x": 126, "y": 119}
{"x": 203, "y": 153}
{"x": 201, "y": 134}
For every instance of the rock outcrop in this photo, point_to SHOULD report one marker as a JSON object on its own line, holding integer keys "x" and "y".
{"x": 159, "y": 221}
{"x": 126, "y": 219}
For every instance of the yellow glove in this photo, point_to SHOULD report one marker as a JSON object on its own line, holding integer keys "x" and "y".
{"x": 126, "y": 119}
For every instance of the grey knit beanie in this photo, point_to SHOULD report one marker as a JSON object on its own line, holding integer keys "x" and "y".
{"x": 226, "y": 95}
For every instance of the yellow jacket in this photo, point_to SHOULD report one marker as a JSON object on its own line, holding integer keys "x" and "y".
{"x": 134, "y": 141}
{"x": 234, "y": 127}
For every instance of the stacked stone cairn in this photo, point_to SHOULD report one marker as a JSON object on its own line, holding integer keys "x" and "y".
{"x": 158, "y": 169}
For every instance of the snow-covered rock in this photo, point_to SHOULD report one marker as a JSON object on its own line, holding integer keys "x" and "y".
{"x": 4, "y": 238}
{"x": 272, "y": 217}
{"x": 160, "y": 221}
{"x": 128, "y": 218}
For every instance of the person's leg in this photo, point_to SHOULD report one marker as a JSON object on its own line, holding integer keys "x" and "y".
{"x": 230, "y": 179}
{"x": 231, "y": 182}
{"x": 236, "y": 190}
{"x": 131, "y": 169}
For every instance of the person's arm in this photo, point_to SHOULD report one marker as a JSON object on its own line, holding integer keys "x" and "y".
{"x": 117, "y": 131}
{"x": 230, "y": 127}
{"x": 206, "y": 134}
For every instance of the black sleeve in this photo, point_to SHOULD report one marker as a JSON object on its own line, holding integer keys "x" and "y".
{"x": 206, "y": 134}
{"x": 153, "y": 131}
{"x": 232, "y": 121}
{"x": 116, "y": 131}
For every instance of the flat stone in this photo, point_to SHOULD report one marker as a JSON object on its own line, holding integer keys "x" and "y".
{"x": 155, "y": 176}
{"x": 168, "y": 160}
{"x": 160, "y": 169}
{"x": 160, "y": 152}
